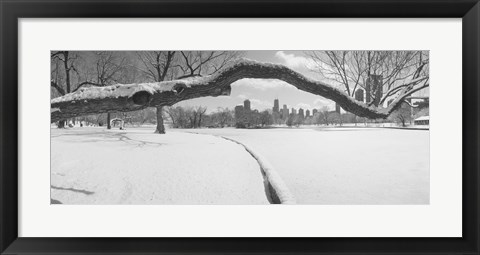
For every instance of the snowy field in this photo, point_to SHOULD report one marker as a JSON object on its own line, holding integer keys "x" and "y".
{"x": 319, "y": 165}
{"x": 344, "y": 165}
{"x": 135, "y": 166}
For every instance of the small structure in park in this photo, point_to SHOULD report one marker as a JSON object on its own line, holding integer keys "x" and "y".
{"x": 424, "y": 120}
{"x": 116, "y": 121}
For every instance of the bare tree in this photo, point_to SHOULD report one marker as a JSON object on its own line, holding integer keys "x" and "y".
{"x": 180, "y": 116}
{"x": 156, "y": 65}
{"x": 173, "y": 113}
{"x": 164, "y": 65}
{"x": 55, "y": 77}
{"x": 266, "y": 118}
{"x": 199, "y": 112}
{"x": 109, "y": 66}
{"x": 201, "y": 63}
{"x": 66, "y": 60}
{"x": 381, "y": 74}
{"x": 324, "y": 115}
{"x": 196, "y": 64}
{"x": 223, "y": 116}
{"x": 402, "y": 115}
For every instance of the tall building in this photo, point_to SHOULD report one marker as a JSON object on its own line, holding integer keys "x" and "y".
{"x": 378, "y": 89}
{"x": 285, "y": 112}
{"x": 373, "y": 85}
{"x": 314, "y": 112}
{"x": 276, "y": 106}
{"x": 337, "y": 107}
{"x": 246, "y": 105}
{"x": 359, "y": 95}
{"x": 276, "y": 114}
{"x": 238, "y": 111}
{"x": 300, "y": 113}
{"x": 307, "y": 113}
{"x": 294, "y": 112}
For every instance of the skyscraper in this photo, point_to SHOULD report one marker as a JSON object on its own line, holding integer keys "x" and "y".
{"x": 359, "y": 95}
{"x": 374, "y": 86}
{"x": 300, "y": 113}
{"x": 276, "y": 106}
{"x": 238, "y": 111}
{"x": 307, "y": 113}
{"x": 337, "y": 107}
{"x": 285, "y": 112}
{"x": 378, "y": 89}
{"x": 246, "y": 105}
{"x": 294, "y": 112}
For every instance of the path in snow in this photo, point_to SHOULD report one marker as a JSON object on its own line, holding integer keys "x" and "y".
{"x": 275, "y": 188}
{"x": 135, "y": 166}
{"x": 344, "y": 165}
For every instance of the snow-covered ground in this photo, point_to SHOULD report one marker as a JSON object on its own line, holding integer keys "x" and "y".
{"x": 318, "y": 165}
{"x": 344, "y": 165}
{"x": 134, "y": 166}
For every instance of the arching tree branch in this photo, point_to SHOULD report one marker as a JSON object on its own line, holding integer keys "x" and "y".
{"x": 130, "y": 97}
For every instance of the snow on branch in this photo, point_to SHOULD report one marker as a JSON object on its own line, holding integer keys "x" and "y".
{"x": 131, "y": 97}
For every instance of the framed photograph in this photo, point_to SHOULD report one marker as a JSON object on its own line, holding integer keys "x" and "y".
{"x": 226, "y": 127}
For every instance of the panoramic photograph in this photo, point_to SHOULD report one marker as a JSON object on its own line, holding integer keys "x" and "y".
{"x": 182, "y": 127}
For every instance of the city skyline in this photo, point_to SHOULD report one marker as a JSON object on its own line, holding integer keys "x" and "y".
{"x": 285, "y": 110}
{"x": 261, "y": 92}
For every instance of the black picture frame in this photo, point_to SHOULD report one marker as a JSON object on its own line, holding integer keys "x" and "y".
{"x": 11, "y": 11}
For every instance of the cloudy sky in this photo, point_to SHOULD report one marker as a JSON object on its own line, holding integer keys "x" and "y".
{"x": 262, "y": 92}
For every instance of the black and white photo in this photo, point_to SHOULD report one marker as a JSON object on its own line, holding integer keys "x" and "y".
{"x": 258, "y": 127}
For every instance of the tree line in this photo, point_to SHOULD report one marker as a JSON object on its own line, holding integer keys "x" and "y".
{"x": 176, "y": 116}
{"x": 197, "y": 117}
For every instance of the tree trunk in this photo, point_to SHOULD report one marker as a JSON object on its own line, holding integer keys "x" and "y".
{"x": 160, "y": 127}
{"x": 61, "y": 124}
{"x": 108, "y": 121}
{"x": 67, "y": 71}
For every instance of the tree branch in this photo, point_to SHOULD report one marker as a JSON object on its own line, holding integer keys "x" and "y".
{"x": 57, "y": 87}
{"x": 131, "y": 97}
{"x": 86, "y": 83}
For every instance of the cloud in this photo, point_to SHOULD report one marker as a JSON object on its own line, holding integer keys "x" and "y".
{"x": 317, "y": 104}
{"x": 261, "y": 84}
{"x": 321, "y": 102}
{"x": 242, "y": 96}
{"x": 260, "y": 104}
{"x": 303, "y": 106}
{"x": 293, "y": 61}
{"x": 256, "y": 103}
